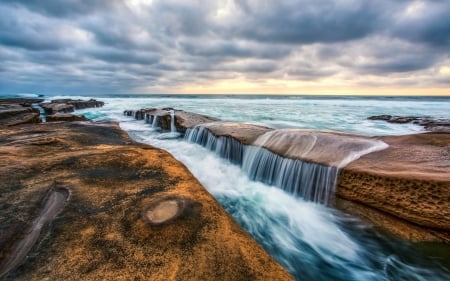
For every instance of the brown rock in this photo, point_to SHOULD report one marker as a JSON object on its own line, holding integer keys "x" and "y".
{"x": 183, "y": 119}
{"x": 65, "y": 117}
{"x": 333, "y": 149}
{"x": 100, "y": 234}
{"x": 244, "y": 133}
{"x": 409, "y": 180}
{"x": 53, "y": 108}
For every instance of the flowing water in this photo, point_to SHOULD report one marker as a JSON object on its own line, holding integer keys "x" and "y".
{"x": 311, "y": 240}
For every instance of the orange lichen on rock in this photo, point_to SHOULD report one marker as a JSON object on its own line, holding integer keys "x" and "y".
{"x": 101, "y": 234}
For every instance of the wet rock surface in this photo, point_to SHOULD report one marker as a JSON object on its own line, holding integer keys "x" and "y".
{"x": 101, "y": 234}
{"x": 430, "y": 124}
{"x": 333, "y": 149}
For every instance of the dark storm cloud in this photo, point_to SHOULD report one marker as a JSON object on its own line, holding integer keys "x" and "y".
{"x": 27, "y": 31}
{"x": 426, "y": 22}
{"x": 115, "y": 45}
{"x": 123, "y": 56}
{"x": 308, "y": 21}
{"x": 63, "y": 8}
{"x": 233, "y": 49}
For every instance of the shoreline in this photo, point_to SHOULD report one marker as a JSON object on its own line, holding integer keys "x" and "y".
{"x": 100, "y": 233}
{"x": 86, "y": 135}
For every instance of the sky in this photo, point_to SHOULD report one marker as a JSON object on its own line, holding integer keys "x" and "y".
{"x": 384, "y": 47}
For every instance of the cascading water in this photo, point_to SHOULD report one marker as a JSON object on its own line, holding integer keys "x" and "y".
{"x": 155, "y": 122}
{"x": 311, "y": 241}
{"x": 173, "y": 129}
{"x": 225, "y": 147}
{"x": 311, "y": 181}
{"x": 42, "y": 113}
{"x": 173, "y": 134}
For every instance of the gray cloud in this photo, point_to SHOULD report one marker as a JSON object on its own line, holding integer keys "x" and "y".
{"x": 113, "y": 46}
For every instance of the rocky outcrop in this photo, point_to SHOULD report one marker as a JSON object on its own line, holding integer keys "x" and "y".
{"x": 400, "y": 183}
{"x": 18, "y": 111}
{"x": 69, "y": 105}
{"x": 409, "y": 180}
{"x": 103, "y": 231}
{"x": 65, "y": 117}
{"x": 430, "y": 124}
{"x": 332, "y": 149}
{"x": 246, "y": 134}
{"x": 183, "y": 119}
{"x": 23, "y": 111}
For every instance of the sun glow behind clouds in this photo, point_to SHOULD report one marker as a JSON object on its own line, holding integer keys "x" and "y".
{"x": 226, "y": 46}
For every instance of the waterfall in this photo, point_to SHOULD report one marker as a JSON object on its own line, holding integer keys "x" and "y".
{"x": 173, "y": 129}
{"x": 224, "y": 146}
{"x": 310, "y": 165}
{"x": 42, "y": 113}
{"x": 311, "y": 181}
{"x": 155, "y": 122}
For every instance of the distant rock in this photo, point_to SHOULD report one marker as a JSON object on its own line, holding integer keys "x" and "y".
{"x": 183, "y": 119}
{"x": 65, "y": 117}
{"x": 17, "y": 111}
{"x": 430, "y": 124}
{"x": 69, "y": 105}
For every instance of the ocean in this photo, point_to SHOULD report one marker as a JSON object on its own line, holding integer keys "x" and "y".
{"x": 311, "y": 240}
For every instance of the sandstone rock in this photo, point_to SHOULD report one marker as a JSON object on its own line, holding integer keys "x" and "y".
{"x": 100, "y": 234}
{"x": 12, "y": 114}
{"x": 183, "y": 119}
{"x": 409, "y": 180}
{"x": 53, "y": 108}
{"x": 65, "y": 117}
{"x": 333, "y": 149}
{"x": 69, "y": 105}
{"x": 80, "y": 104}
{"x": 245, "y": 133}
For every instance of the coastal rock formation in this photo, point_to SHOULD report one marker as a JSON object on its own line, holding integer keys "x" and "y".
{"x": 65, "y": 117}
{"x": 18, "y": 111}
{"x": 246, "y": 134}
{"x": 333, "y": 149}
{"x": 101, "y": 233}
{"x": 400, "y": 183}
{"x": 23, "y": 111}
{"x": 409, "y": 180}
{"x": 69, "y": 105}
{"x": 430, "y": 124}
{"x": 161, "y": 118}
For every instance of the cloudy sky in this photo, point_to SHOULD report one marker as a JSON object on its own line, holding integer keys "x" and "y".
{"x": 225, "y": 46}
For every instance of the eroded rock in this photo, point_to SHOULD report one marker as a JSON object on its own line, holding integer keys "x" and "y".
{"x": 409, "y": 180}
{"x": 100, "y": 234}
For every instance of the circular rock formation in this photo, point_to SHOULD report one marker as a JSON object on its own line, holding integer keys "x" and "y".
{"x": 164, "y": 210}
